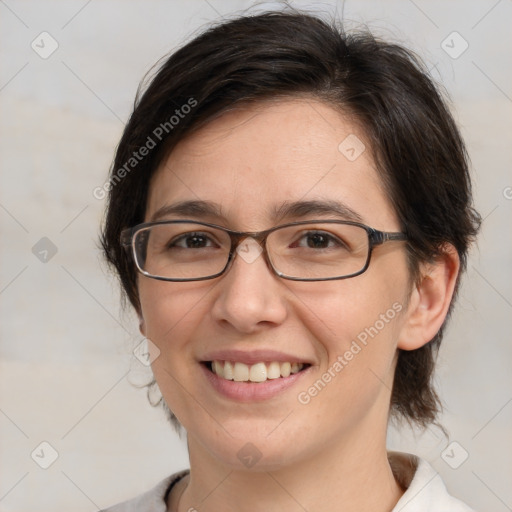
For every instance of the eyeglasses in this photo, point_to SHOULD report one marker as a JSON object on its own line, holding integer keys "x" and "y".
{"x": 185, "y": 250}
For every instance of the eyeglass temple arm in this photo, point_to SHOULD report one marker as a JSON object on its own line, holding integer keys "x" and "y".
{"x": 126, "y": 237}
{"x": 379, "y": 237}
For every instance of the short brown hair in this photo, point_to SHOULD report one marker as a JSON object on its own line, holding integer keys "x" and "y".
{"x": 415, "y": 142}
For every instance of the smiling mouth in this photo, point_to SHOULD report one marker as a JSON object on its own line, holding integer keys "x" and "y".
{"x": 259, "y": 372}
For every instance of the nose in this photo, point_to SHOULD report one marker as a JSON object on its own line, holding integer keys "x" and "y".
{"x": 250, "y": 296}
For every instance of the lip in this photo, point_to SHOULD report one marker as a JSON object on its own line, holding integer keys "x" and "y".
{"x": 252, "y": 391}
{"x": 253, "y": 356}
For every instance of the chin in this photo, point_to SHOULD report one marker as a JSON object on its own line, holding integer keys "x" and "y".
{"x": 245, "y": 445}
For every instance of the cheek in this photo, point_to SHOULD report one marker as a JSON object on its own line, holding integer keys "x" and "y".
{"x": 171, "y": 311}
{"x": 357, "y": 342}
{"x": 356, "y": 324}
{"x": 344, "y": 310}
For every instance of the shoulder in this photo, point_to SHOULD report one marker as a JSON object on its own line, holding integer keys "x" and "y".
{"x": 425, "y": 490}
{"x": 153, "y": 500}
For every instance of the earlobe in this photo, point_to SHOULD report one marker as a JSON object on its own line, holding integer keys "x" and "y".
{"x": 142, "y": 326}
{"x": 430, "y": 300}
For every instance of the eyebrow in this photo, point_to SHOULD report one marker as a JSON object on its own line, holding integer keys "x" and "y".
{"x": 199, "y": 209}
{"x": 192, "y": 208}
{"x": 301, "y": 209}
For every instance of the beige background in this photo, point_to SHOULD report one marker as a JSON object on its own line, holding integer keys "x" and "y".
{"x": 66, "y": 363}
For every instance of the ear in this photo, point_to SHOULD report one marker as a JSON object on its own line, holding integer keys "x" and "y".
{"x": 430, "y": 300}
{"x": 142, "y": 325}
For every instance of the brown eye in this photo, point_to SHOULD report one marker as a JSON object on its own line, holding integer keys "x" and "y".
{"x": 190, "y": 241}
{"x": 319, "y": 240}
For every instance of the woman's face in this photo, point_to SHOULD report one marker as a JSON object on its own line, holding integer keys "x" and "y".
{"x": 248, "y": 163}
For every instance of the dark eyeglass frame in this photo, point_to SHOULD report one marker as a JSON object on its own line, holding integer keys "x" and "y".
{"x": 375, "y": 238}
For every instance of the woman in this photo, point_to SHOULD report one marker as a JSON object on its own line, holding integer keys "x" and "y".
{"x": 289, "y": 215}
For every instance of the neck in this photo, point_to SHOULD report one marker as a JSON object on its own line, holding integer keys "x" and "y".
{"x": 353, "y": 474}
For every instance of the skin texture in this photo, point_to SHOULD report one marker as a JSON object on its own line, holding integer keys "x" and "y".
{"x": 332, "y": 450}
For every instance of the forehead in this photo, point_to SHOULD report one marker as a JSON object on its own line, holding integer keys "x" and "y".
{"x": 253, "y": 158}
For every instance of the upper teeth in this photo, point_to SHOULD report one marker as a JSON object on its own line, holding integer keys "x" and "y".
{"x": 258, "y": 372}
